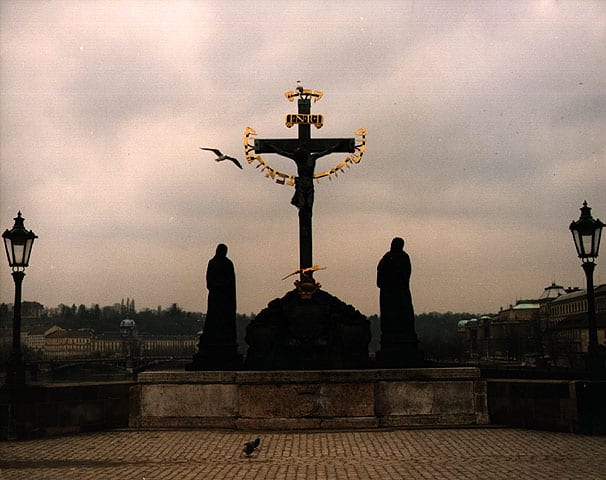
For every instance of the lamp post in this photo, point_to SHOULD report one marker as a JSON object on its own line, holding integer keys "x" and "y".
{"x": 127, "y": 329}
{"x": 587, "y": 232}
{"x": 18, "y": 244}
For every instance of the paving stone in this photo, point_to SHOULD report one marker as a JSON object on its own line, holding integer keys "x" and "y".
{"x": 480, "y": 453}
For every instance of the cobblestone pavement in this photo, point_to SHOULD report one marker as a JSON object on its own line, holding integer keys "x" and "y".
{"x": 396, "y": 454}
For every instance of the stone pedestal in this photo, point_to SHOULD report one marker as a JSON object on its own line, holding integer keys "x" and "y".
{"x": 400, "y": 351}
{"x": 308, "y": 332}
{"x": 216, "y": 356}
{"x": 284, "y": 400}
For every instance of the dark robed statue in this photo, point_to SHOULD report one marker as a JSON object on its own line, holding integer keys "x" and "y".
{"x": 398, "y": 337}
{"x": 393, "y": 280}
{"x": 218, "y": 347}
{"x": 220, "y": 324}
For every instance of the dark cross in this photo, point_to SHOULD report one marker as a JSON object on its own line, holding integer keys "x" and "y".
{"x": 304, "y": 151}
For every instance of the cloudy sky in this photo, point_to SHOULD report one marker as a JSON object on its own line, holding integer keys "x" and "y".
{"x": 486, "y": 130}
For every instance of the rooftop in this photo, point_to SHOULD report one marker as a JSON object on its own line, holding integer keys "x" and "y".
{"x": 525, "y": 305}
{"x": 599, "y": 290}
{"x": 71, "y": 334}
{"x": 553, "y": 291}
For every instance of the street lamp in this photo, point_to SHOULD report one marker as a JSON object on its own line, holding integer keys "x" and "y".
{"x": 18, "y": 243}
{"x": 127, "y": 329}
{"x": 587, "y": 232}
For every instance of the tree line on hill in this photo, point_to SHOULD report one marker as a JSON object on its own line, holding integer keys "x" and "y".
{"x": 171, "y": 321}
{"x": 437, "y": 332}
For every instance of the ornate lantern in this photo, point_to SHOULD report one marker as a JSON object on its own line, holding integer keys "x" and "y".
{"x": 18, "y": 243}
{"x": 587, "y": 233}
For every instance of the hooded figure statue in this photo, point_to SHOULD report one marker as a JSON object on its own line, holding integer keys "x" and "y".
{"x": 220, "y": 325}
{"x": 395, "y": 300}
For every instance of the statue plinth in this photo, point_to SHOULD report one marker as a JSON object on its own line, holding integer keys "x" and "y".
{"x": 308, "y": 329}
{"x": 216, "y": 356}
{"x": 399, "y": 351}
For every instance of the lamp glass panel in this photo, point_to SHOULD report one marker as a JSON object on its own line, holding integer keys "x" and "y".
{"x": 577, "y": 242}
{"x": 597, "y": 236}
{"x": 18, "y": 254}
{"x": 29, "y": 243}
{"x": 9, "y": 252}
{"x": 587, "y": 244}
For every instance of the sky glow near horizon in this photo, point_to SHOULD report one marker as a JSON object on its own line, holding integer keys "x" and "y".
{"x": 486, "y": 127}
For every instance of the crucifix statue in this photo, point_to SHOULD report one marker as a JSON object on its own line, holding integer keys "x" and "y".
{"x": 297, "y": 331}
{"x": 304, "y": 151}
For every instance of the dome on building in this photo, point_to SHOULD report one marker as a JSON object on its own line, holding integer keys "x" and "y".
{"x": 127, "y": 323}
{"x": 552, "y": 292}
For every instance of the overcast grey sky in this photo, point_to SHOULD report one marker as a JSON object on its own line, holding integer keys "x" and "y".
{"x": 486, "y": 125}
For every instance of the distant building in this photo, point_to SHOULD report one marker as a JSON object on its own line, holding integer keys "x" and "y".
{"x": 552, "y": 327}
{"x": 567, "y": 332}
{"x": 178, "y": 345}
{"x": 54, "y": 342}
{"x": 552, "y": 292}
{"x": 107, "y": 344}
{"x": 69, "y": 344}
{"x": 34, "y": 338}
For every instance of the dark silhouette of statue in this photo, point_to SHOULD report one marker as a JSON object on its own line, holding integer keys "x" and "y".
{"x": 398, "y": 337}
{"x": 221, "y": 284}
{"x": 395, "y": 300}
{"x": 218, "y": 347}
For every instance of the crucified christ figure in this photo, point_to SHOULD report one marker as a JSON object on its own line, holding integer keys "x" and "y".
{"x": 303, "y": 198}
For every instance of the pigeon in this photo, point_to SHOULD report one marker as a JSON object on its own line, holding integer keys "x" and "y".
{"x": 221, "y": 156}
{"x": 250, "y": 447}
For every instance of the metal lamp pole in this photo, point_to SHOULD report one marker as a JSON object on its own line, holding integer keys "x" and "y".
{"x": 592, "y": 349}
{"x": 586, "y": 232}
{"x": 15, "y": 374}
{"x": 18, "y": 244}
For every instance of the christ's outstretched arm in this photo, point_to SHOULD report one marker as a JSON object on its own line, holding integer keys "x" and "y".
{"x": 284, "y": 153}
{"x": 328, "y": 151}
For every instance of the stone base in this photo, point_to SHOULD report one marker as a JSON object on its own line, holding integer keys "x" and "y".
{"x": 313, "y": 332}
{"x": 330, "y": 399}
{"x": 400, "y": 349}
{"x": 216, "y": 357}
{"x": 403, "y": 355}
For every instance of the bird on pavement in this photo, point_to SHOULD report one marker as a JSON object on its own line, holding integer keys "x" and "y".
{"x": 250, "y": 447}
{"x": 221, "y": 156}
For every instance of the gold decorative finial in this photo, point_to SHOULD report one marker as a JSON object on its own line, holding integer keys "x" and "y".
{"x": 305, "y": 271}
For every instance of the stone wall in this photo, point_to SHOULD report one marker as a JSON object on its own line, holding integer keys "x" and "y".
{"x": 559, "y": 405}
{"x": 310, "y": 399}
{"x": 32, "y": 411}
